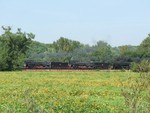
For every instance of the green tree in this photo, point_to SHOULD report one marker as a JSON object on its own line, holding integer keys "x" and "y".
{"x": 123, "y": 50}
{"x": 144, "y": 48}
{"x": 3, "y": 64}
{"x": 128, "y": 50}
{"x": 66, "y": 45}
{"x": 14, "y": 48}
{"x": 103, "y": 52}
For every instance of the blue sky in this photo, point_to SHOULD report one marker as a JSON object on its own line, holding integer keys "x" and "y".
{"x": 118, "y": 22}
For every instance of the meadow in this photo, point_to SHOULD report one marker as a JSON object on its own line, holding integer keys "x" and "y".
{"x": 63, "y": 92}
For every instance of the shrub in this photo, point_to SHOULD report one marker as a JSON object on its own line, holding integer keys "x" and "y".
{"x": 135, "y": 102}
{"x": 143, "y": 66}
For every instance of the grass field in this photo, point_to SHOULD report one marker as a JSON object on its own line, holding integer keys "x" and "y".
{"x": 63, "y": 92}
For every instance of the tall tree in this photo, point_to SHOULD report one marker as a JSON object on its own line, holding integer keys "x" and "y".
{"x": 66, "y": 45}
{"x": 128, "y": 51}
{"x": 103, "y": 52}
{"x": 123, "y": 50}
{"x": 16, "y": 46}
{"x": 144, "y": 48}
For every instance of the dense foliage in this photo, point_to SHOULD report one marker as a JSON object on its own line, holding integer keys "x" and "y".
{"x": 144, "y": 48}
{"x": 101, "y": 52}
{"x": 15, "y": 49}
{"x": 142, "y": 66}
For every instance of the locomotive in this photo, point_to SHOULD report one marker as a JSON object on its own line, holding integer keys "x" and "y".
{"x": 30, "y": 64}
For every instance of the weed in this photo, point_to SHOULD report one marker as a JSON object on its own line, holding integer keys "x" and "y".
{"x": 136, "y": 94}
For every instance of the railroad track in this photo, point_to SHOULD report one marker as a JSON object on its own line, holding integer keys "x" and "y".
{"x": 69, "y": 70}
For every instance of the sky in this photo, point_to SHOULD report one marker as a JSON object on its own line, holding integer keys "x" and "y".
{"x": 117, "y": 22}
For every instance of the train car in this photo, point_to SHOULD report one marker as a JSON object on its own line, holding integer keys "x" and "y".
{"x": 37, "y": 65}
{"x": 59, "y": 65}
{"x": 82, "y": 65}
{"x": 98, "y": 65}
{"x": 121, "y": 65}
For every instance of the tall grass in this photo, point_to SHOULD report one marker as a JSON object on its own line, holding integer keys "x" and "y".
{"x": 66, "y": 92}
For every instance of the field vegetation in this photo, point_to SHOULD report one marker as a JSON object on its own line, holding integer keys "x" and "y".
{"x": 71, "y": 92}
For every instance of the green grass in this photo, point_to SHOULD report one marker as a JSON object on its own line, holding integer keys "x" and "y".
{"x": 66, "y": 92}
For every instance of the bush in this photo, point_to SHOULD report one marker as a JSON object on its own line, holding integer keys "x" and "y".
{"x": 137, "y": 94}
{"x": 143, "y": 66}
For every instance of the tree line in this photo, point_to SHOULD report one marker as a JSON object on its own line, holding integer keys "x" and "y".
{"x": 19, "y": 46}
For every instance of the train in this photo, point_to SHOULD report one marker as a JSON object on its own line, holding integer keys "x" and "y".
{"x": 31, "y": 64}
